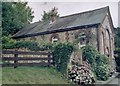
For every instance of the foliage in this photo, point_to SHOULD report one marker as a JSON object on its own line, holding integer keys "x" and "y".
{"x": 9, "y": 43}
{"x": 90, "y": 54}
{"x": 101, "y": 67}
{"x": 117, "y": 37}
{"x": 117, "y": 48}
{"x": 62, "y": 54}
{"x": 101, "y": 72}
{"x": 46, "y": 46}
{"x": 15, "y": 15}
{"x": 101, "y": 60}
{"x": 117, "y": 58}
{"x": 99, "y": 63}
{"x": 117, "y": 52}
{"x": 46, "y": 15}
{"x": 27, "y": 44}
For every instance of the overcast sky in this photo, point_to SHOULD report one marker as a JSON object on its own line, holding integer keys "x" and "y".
{"x": 67, "y": 8}
{"x": 119, "y": 14}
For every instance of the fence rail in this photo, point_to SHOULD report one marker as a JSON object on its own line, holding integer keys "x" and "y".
{"x": 18, "y": 59}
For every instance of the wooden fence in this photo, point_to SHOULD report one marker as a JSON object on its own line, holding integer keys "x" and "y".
{"x": 17, "y": 58}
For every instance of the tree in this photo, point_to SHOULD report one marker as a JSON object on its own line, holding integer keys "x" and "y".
{"x": 15, "y": 15}
{"x": 47, "y": 15}
{"x": 117, "y": 48}
{"x": 117, "y": 37}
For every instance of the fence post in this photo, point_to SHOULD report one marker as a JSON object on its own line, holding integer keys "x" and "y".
{"x": 49, "y": 58}
{"x": 53, "y": 61}
{"x": 15, "y": 59}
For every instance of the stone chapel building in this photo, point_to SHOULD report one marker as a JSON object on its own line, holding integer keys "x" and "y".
{"x": 91, "y": 27}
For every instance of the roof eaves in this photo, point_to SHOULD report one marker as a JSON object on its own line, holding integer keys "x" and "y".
{"x": 58, "y": 30}
{"x": 19, "y": 32}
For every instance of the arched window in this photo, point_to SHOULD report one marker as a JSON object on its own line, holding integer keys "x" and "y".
{"x": 102, "y": 43}
{"x": 107, "y": 52}
{"x": 108, "y": 40}
{"x": 54, "y": 38}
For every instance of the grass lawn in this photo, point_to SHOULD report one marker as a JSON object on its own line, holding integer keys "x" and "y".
{"x": 32, "y": 75}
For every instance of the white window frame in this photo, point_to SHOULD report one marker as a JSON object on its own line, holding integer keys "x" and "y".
{"x": 54, "y": 39}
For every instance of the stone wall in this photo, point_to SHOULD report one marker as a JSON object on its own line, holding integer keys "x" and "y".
{"x": 68, "y": 36}
{"x": 72, "y": 37}
{"x": 106, "y": 40}
{"x": 108, "y": 36}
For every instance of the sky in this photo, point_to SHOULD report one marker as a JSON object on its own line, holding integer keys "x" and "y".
{"x": 119, "y": 14}
{"x": 68, "y": 8}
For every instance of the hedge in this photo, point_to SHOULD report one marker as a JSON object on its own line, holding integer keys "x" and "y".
{"x": 9, "y": 43}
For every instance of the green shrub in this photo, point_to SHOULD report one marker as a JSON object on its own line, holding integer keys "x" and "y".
{"x": 27, "y": 44}
{"x": 89, "y": 53}
{"x": 7, "y": 42}
{"x": 62, "y": 54}
{"x": 118, "y": 68}
{"x": 117, "y": 58}
{"x": 117, "y": 52}
{"x": 98, "y": 62}
{"x": 101, "y": 72}
{"x": 46, "y": 46}
{"x": 101, "y": 60}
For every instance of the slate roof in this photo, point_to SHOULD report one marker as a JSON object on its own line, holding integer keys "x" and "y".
{"x": 71, "y": 22}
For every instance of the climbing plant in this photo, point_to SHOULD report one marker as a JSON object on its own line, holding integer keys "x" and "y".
{"x": 62, "y": 54}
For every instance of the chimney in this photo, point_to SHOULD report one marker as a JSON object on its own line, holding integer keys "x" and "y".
{"x": 53, "y": 14}
{"x": 53, "y": 18}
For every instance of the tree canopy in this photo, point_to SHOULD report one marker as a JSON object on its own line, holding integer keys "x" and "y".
{"x": 46, "y": 15}
{"x": 117, "y": 48}
{"x": 117, "y": 37}
{"x": 15, "y": 15}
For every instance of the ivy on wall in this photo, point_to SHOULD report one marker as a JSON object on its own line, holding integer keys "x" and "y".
{"x": 62, "y": 54}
